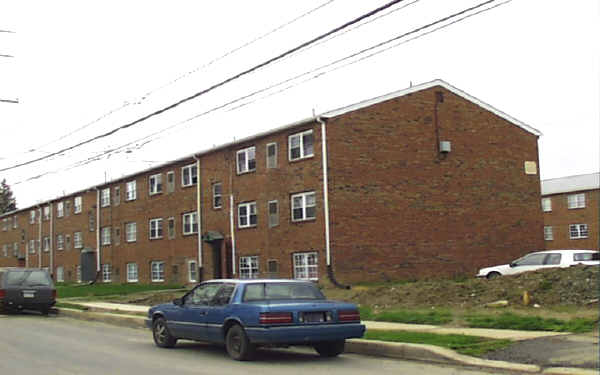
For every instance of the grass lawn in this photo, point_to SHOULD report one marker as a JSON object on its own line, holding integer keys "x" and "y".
{"x": 530, "y": 323}
{"x": 100, "y": 290}
{"x": 463, "y": 344}
{"x": 433, "y": 317}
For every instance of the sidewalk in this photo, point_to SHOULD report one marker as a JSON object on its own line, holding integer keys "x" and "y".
{"x": 134, "y": 315}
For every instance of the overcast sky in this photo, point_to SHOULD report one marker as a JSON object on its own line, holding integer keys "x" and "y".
{"x": 82, "y": 68}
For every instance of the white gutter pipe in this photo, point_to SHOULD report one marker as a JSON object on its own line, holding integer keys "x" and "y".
{"x": 325, "y": 190}
{"x": 97, "y": 232}
{"x": 232, "y": 228}
{"x": 51, "y": 240}
{"x": 40, "y": 238}
{"x": 199, "y": 212}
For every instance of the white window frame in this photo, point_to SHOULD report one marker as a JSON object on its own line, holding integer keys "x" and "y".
{"x": 105, "y": 197}
{"x": 32, "y": 217}
{"x": 189, "y": 175}
{"x": 250, "y": 208}
{"x": 31, "y": 247}
{"x": 303, "y": 206}
{"x": 77, "y": 205}
{"x": 60, "y": 209}
{"x": 171, "y": 228}
{"x": 217, "y": 197}
{"x": 78, "y": 273}
{"x": 131, "y": 191}
{"x": 157, "y": 271}
{"x": 47, "y": 213}
{"x": 15, "y": 249}
{"x": 155, "y": 184}
{"x": 60, "y": 274}
{"x": 117, "y": 196}
{"x": 192, "y": 271}
{"x": 306, "y": 265}
{"x": 271, "y": 159}
{"x": 578, "y": 231}
{"x": 131, "y": 231}
{"x": 575, "y": 201}
{"x": 106, "y": 273}
{"x": 546, "y": 204}
{"x": 77, "y": 240}
{"x": 155, "y": 228}
{"x": 60, "y": 242}
{"x": 15, "y": 222}
{"x": 170, "y": 181}
{"x": 303, "y": 153}
{"x": 105, "y": 235}
{"x": 46, "y": 244}
{"x": 548, "y": 233}
{"x": 248, "y": 164}
{"x": 273, "y": 216}
{"x": 249, "y": 267}
{"x": 132, "y": 273}
{"x": 189, "y": 223}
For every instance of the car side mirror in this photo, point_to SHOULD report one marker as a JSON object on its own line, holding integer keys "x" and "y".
{"x": 513, "y": 264}
{"x": 178, "y": 301}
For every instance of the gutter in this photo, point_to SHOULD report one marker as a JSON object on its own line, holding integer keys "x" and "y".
{"x": 199, "y": 218}
{"x": 51, "y": 239}
{"x": 40, "y": 237}
{"x": 232, "y": 228}
{"x": 97, "y": 232}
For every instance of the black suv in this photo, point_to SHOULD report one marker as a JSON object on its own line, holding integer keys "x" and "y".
{"x": 26, "y": 288}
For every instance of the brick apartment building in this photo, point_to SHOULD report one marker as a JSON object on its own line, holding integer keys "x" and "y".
{"x": 427, "y": 181}
{"x": 571, "y": 207}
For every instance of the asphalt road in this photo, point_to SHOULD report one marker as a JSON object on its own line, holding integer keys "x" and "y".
{"x": 33, "y": 344}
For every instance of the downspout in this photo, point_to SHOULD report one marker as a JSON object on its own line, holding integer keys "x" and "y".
{"x": 232, "y": 228}
{"x": 51, "y": 241}
{"x": 97, "y": 234}
{"x": 199, "y": 217}
{"x": 326, "y": 206}
{"x": 40, "y": 237}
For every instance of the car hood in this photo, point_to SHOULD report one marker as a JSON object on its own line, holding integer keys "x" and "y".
{"x": 502, "y": 269}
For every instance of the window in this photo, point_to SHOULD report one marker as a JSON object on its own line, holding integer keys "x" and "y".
{"x": 217, "y": 190}
{"x": 303, "y": 206}
{"x": 531, "y": 260}
{"x": 78, "y": 273}
{"x": 60, "y": 242}
{"x": 586, "y": 257}
{"x": 170, "y": 182}
{"x": 157, "y": 271}
{"x": 552, "y": 259}
{"x": 77, "y": 205}
{"x": 548, "y": 235}
{"x": 189, "y": 175}
{"x": 247, "y": 215}
{"x": 105, "y": 197}
{"x": 272, "y": 267}
{"x": 246, "y": 160}
{"x": 46, "y": 243}
{"x": 130, "y": 232}
{"x": 131, "y": 191}
{"x": 60, "y": 274}
{"x": 67, "y": 208}
{"x": 31, "y": 246}
{"x": 117, "y": 235}
{"x": 576, "y": 201}
{"x": 68, "y": 241}
{"x": 132, "y": 272}
{"x": 47, "y": 213}
{"x": 192, "y": 271}
{"x": 60, "y": 209}
{"x": 91, "y": 221}
{"x": 190, "y": 223}
{"x": 117, "y": 197}
{"x": 5, "y": 250}
{"x": 156, "y": 228}
{"x": 273, "y": 214}
{"x": 249, "y": 267}
{"x": 546, "y": 204}
{"x": 306, "y": 266}
{"x": 77, "y": 240}
{"x": 15, "y": 222}
{"x": 578, "y": 231}
{"x": 171, "y": 227}
{"x": 15, "y": 249}
{"x": 155, "y": 184}
{"x": 32, "y": 217}
{"x": 105, "y": 235}
{"x": 272, "y": 155}
{"x": 106, "y": 273}
{"x": 5, "y": 224}
{"x": 300, "y": 145}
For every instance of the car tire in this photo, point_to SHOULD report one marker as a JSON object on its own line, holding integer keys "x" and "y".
{"x": 162, "y": 336}
{"x": 237, "y": 344}
{"x": 330, "y": 348}
{"x": 45, "y": 311}
{"x": 493, "y": 275}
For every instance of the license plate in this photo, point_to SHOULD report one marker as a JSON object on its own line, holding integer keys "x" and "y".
{"x": 28, "y": 294}
{"x": 314, "y": 317}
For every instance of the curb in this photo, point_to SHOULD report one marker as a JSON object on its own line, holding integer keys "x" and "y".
{"x": 405, "y": 351}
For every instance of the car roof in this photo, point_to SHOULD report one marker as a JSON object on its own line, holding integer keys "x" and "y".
{"x": 250, "y": 281}
{"x": 569, "y": 251}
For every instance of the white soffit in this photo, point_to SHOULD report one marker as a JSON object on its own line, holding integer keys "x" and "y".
{"x": 427, "y": 85}
{"x": 571, "y": 184}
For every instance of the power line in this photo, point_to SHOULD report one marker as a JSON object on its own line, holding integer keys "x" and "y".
{"x": 211, "y": 88}
{"x": 12, "y": 101}
{"x": 147, "y": 139}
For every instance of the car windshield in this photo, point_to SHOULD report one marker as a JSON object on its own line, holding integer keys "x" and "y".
{"x": 275, "y": 291}
{"x": 27, "y": 278}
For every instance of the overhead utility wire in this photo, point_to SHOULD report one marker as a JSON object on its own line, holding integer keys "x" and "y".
{"x": 151, "y": 92}
{"x": 209, "y": 89}
{"x": 101, "y": 155}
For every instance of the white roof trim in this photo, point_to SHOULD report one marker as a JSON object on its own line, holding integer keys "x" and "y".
{"x": 427, "y": 85}
{"x": 571, "y": 184}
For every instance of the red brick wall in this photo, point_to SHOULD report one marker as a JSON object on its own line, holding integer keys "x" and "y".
{"x": 400, "y": 210}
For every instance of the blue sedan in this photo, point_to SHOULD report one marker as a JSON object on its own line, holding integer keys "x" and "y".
{"x": 246, "y": 314}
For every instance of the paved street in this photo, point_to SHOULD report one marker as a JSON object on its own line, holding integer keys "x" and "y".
{"x": 32, "y": 344}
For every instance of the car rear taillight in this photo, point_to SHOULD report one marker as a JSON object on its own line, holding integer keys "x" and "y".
{"x": 275, "y": 318}
{"x": 349, "y": 316}
{"x": 53, "y": 293}
{"x": 2, "y": 293}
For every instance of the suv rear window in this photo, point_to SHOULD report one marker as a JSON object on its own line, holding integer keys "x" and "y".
{"x": 582, "y": 257}
{"x": 27, "y": 278}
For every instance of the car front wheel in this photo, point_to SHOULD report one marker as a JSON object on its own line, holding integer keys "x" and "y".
{"x": 492, "y": 275}
{"x": 330, "y": 348}
{"x": 237, "y": 344}
{"x": 161, "y": 334}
